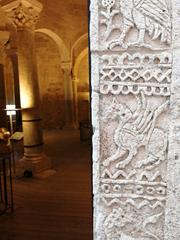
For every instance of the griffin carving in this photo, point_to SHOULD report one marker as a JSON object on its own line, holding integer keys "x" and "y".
{"x": 151, "y": 16}
{"x": 135, "y": 129}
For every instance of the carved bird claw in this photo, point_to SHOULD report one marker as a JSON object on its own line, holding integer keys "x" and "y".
{"x": 139, "y": 45}
{"x": 114, "y": 44}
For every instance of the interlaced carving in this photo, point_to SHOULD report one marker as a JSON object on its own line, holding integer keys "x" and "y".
{"x": 150, "y": 73}
{"x": 108, "y": 3}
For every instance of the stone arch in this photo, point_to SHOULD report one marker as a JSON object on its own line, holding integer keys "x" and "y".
{"x": 82, "y": 98}
{"x": 80, "y": 44}
{"x": 78, "y": 51}
{"x": 63, "y": 50}
{"x": 78, "y": 61}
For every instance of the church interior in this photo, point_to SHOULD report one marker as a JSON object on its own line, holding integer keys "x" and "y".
{"x": 45, "y": 107}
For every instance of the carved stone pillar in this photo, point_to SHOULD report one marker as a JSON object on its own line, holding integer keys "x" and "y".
{"x": 68, "y": 92}
{"x": 4, "y": 37}
{"x": 24, "y": 14}
{"x": 75, "y": 101}
{"x": 172, "y": 226}
{"x": 135, "y": 116}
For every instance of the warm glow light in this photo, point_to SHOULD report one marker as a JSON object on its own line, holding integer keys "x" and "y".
{"x": 26, "y": 97}
{"x": 25, "y": 101}
{"x": 11, "y": 110}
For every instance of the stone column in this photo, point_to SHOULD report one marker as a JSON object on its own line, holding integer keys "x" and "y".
{"x": 135, "y": 72}
{"x": 68, "y": 92}
{"x": 4, "y": 37}
{"x": 2, "y": 98}
{"x": 75, "y": 82}
{"x": 24, "y": 15}
{"x": 13, "y": 54}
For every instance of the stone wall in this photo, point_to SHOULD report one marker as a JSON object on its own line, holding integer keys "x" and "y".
{"x": 51, "y": 82}
{"x": 135, "y": 89}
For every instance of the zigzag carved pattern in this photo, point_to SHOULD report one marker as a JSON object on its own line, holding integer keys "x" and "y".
{"x": 133, "y": 203}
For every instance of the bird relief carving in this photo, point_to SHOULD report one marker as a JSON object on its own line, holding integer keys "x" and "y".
{"x": 135, "y": 23}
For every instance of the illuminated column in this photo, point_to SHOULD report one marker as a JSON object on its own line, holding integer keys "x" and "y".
{"x": 68, "y": 92}
{"x": 24, "y": 14}
{"x": 4, "y": 37}
{"x": 13, "y": 55}
{"x": 75, "y": 100}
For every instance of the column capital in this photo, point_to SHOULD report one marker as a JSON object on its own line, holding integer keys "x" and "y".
{"x": 66, "y": 65}
{"x": 23, "y": 13}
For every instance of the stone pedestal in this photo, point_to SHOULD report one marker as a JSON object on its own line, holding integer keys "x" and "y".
{"x": 135, "y": 51}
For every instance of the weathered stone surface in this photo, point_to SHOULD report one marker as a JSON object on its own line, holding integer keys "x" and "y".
{"x": 135, "y": 71}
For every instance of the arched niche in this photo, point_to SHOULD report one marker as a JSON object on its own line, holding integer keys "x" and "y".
{"x": 63, "y": 50}
{"x": 80, "y": 44}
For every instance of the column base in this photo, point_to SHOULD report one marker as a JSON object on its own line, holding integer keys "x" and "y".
{"x": 37, "y": 165}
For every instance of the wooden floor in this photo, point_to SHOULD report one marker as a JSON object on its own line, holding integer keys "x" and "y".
{"x": 57, "y": 208}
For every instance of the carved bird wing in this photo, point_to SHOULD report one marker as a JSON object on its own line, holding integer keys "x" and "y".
{"x": 158, "y": 22}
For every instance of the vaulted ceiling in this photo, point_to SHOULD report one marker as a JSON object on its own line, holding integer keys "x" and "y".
{"x": 68, "y": 19}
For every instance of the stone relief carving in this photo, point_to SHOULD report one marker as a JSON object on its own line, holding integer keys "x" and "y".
{"x": 144, "y": 16}
{"x": 135, "y": 71}
{"x": 133, "y": 177}
{"x": 24, "y": 16}
{"x": 133, "y": 174}
{"x": 136, "y": 89}
{"x": 133, "y": 181}
{"x": 136, "y": 129}
{"x": 117, "y": 221}
{"x": 132, "y": 73}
